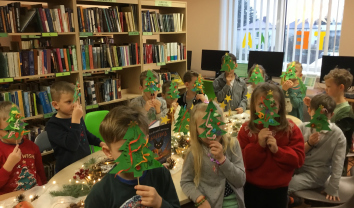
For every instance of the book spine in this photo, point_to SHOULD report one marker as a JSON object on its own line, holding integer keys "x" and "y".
{"x": 20, "y": 102}
{"x": 59, "y": 17}
{"x": 40, "y": 11}
{"x": 83, "y": 55}
{"x": 79, "y": 19}
{"x": 49, "y": 20}
{"x": 93, "y": 92}
{"x": 49, "y": 65}
{"x": 87, "y": 54}
{"x": 65, "y": 25}
{"x": 31, "y": 62}
{"x": 59, "y": 59}
{"x": 107, "y": 22}
{"x": 47, "y": 103}
{"x": 45, "y": 20}
{"x": 2, "y": 20}
{"x": 26, "y": 104}
{"x": 65, "y": 53}
{"x": 45, "y": 67}
{"x": 70, "y": 58}
{"x": 91, "y": 56}
{"x": 94, "y": 53}
{"x": 39, "y": 20}
{"x": 73, "y": 48}
{"x": 7, "y": 19}
{"x": 42, "y": 102}
{"x": 61, "y": 51}
{"x": 17, "y": 12}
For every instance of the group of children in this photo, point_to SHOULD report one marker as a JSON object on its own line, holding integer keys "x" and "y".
{"x": 260, "y": 168}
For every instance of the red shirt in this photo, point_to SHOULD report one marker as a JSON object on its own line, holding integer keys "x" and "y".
{"x": 26, "y": 173}
{"x": 268, "y": 170}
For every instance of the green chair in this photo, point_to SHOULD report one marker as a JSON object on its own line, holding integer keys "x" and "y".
{"x": 92, "y": 122}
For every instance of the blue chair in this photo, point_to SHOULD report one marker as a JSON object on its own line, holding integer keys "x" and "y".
{"x": 42, "y": 142}
{"x": 93, "y": 121}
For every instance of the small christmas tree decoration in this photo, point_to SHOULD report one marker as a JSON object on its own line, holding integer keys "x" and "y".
{"x": 77, "y": 93}
{"x": 319, "y": 121}
{"x": 173, "y": 93}
{"x": 182, "y": 124}
{"x": 198, "y": 85}
{"x": 267, "y": 114}
{"x": 212, "y": 124}
{"x": 136, "y": 156}
{"x": 228, "y": 64}
{"x": 303, "y": 87}
{"x": 150, "y": 84}
{"x": 16, "y": 127}
{"x": 256, "y": 76}
{"x": 290, "y": 72}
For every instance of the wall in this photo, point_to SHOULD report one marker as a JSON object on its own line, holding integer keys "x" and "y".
{"x": 346, "y": 45}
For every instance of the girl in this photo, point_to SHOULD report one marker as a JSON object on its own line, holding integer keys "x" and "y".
{"x": 213, "y": 172}
{"x": 251, "y": 87}
{"x": 271, "y": 154}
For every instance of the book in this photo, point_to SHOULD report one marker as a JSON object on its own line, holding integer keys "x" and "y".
{"x": 160, "y": 142}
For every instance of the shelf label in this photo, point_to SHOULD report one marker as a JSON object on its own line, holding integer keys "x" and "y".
{"x": 147, "y": 33}
{"x": 116, "y": 68}
{"x": 49, "y": 34}
{"x": 3, "y": 35}
{"x": 161, "y": 63}
{"x": 106, "y": 72}
{"x": 91, "y": 106}
{"x": 4, "y": 80}
{"x": 62, "y": 74}
{"x": 30, "y": 36}
{"x": 163, "y": 3}
{"x": 86, "y": 74}
{"x": 133, "y": 33}
{"x": 48, "y": 115}
{"x": 86, "y": 34}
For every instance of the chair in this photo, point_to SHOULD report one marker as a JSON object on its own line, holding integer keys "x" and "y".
{"x": 42, "y": 142}
{"x": 348, "y": 204}
{"x": 346, "y": 125}
{"x": 346, "y": 191}
{"x": 92, "y": 122}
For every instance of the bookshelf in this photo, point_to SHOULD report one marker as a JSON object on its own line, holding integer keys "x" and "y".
{"x": 128, "y": 74}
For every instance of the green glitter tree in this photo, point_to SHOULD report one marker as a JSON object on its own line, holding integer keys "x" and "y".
{"x": 16, "y": 127}
{"x": 212, "y": 124}
{"x": 319, "y": 120}
{"x": 173, "y": 93}
{"x": 228, "y": 64}
{"x": 182, "y": 124}
{"x": 256, "y": 76}
{"x": 267, "y": 115}
{"x": 150, "y": 84}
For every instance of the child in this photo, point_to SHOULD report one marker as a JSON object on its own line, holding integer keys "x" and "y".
{"x": 293, "y": 93}
{"x": 251, "y": 87}
{"x": 228, "y": 83}
{"x": 20, "y": 161}
{"x": 156, "y": 186}
{"x": 155, "y": 107}
{"x": 66, "y": 129}
{"x": 170, "y": 102}
{"x": 207, "y": 183}
{"x": 271, "y": 154}
{"x": 325, "y": 154}
{"x": 190, "y": 97}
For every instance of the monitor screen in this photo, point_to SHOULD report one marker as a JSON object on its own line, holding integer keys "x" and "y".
{"x": 189, "y": 60}
{"x": 331, "y": 62}
{"x": 271, "y": 61}
{"x": 211, "y": 59}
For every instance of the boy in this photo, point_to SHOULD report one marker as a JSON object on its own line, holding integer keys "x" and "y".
{"x": 293, "y": 94}
{"x": 66, "y": 129}
{"x": 20, "y": 161}
{"x": 325, "y": 154}
{"x": 156, "y": 187}
{"x": 154, "y": 106}
{"x": 228, "y": 83}
{"x": 190, "y": 97}
{"x": 170, "y": 101}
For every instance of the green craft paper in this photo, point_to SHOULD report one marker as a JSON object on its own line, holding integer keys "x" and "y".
{"x": 319, "y": 121}
{"x": 173, "y": 93}
{"x": 228, "y": 64}
{"x": 290, "y": 72}
{"x": 16, "y": 127}
{"x": 150, "y": 83}
{"x": 303, "y": 87}
{"x": 182, "y": 124}
{"x": 267, "y": 115}
{"x": 198, "y": 85}
{"x": 256, "y": 76}
{"x": 136, "y": 142}
{"x": 77, "y": 93}
{"x": 213, "y": 123}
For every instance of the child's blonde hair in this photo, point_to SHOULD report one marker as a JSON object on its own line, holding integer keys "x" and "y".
{"x": 5, "y": 108}
{"x": 196, "y": 143}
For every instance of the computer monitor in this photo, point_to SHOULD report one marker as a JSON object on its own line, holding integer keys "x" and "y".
{"x": 189, "y": 60}
{"x": 271, "y": 61}
{"x": 331, "y": 62}
{"x": 211, "y": 60}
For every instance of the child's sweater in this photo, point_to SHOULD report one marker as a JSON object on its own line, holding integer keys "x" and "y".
{"x": 296, "y": 100}
{"x": 212, "y": 184}
{"x": 26, "y": 173}
{"x": 341, "y": 111}
{"x": 327, "y": 157}
{"x": 268, "y": 170}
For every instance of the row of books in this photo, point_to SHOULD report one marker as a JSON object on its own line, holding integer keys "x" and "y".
{"x": 15, "y": 19}
{"x": 113, "y": 19}
{"x": 102, "y": 91}
{"x": 156, "y": 22}
{"x": 164, "y": 52}
{"x": 35, "y": 43}
{"x": 34, "y": 131}
{"x": 106, "y": 55}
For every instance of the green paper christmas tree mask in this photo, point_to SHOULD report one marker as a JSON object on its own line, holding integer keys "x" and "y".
{"x": 150, "y": 84}
{"x": 77, "y": 93}
{"x": 290, "y": 72}
{"x": 212, "y": 124}
{"x": 267, "y": 115}
{"x": 182, "y": 124}
{"x": 256, "y": 76}
{"x": 228, "y": 64}
{"x": 319, "y": 121}
{"x": 173, "y": 93}
{"x": 198, "y": 85}
{"x": 16, "y": 127}
{"x": 136, "y": 156}
{"x": 303, "y": 87}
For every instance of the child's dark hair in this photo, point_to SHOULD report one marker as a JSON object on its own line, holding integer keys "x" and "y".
{"x": 262, "y": 89}
{"x": 61, "y": 87}
{"x": 325, "y": 100}
{"x": 260, "y": 67}
{"x": 166, "y": 85}
{"x": 116, "y": 123}
{"x": 187, "y": 77}
{"x": 143, "y": 76}
{"x": 232, "y": 56}
{"x": 340, "y": 76}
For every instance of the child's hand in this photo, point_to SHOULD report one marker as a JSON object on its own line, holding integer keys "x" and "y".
{"x": 229, "y": 79}
{"x": 149, "y": 196}
{"x": 200, "y": 97}
{"x": 287, "y": 85}
{"x": 272, "y": 144}
{"x": 307, "y": 101}
{"x": 217, "y": 150}
{"x": 175, "y": 105}
{"x": 262, "y": 136}
{"x": 205, "y": 205}
{"x": 329, "y": 197}
{"x": 77, "y": 113}
{"x": 149, "y": 104}
{"x": 13, "y": 158}
{"x": 157, "y": 105}
{"x": 239, "y": 110}
{"x": 314, "y": 138}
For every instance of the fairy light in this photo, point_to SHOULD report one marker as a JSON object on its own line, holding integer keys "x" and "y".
{"x": 30, "y": 197}
{"x": 89, "y": 177}
{"x": 99, "y": 179}
{"x": 43, "y": 187}
{"x": 54, "y": 182}
{"x": 1, "y": 207}
{"x": 94, "y": 181}
{"x": 77, "y": 181}
{"x": 69, "y": 180}
{"x": 82, "y": 166}
{"x": 62, "y": 202}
